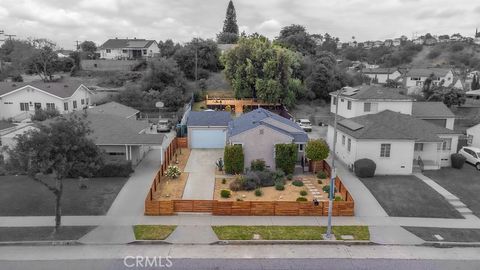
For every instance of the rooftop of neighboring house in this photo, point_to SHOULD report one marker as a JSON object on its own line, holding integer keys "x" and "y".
{"x": 62, "y": 89}
{"x": 114, "y": 108}
{"x": 389, "y": 125}
{"x": 379, "y": 70}
{"x": 374, "y": 92}
{"x": 426, "y": 72}
{"x": 269, "y": 119}
{"x": 431, "y": 110}
{"x": 209, "y": 119}
{"x": 110, "y": 129}
{"x": 118, "y": 43}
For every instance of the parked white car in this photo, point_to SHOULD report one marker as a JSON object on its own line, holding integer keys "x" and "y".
{"x": 305, "y": 124}
{"x": 163, "y": 125}
{"x": 472, "y": 154}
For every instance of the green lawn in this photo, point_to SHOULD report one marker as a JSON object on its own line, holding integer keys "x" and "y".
{"x": 288, "y": 232}
{"x": 152, "y": 232}
{"x": 197, "y": 106}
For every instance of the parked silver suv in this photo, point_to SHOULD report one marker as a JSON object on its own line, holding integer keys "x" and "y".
{"x": 472, "y": 154}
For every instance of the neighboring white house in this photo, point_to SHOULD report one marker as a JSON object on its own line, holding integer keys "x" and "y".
{"x": 396, "y": 142}
{"x": 128, "y": 49}
{"x": 473, "y": 135}
{"x": 20, "y": 100}
{"x": 370, "y": 99}
{"x": 415, "y": 78}
{"x": 381, "y": 75}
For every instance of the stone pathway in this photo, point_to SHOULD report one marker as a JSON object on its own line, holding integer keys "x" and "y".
{"x": 313, "y": 190}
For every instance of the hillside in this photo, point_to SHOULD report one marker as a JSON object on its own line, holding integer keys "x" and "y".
{"x": 460, "y": 55}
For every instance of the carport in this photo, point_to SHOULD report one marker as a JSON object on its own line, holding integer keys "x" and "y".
{"x": 207, "y": 129}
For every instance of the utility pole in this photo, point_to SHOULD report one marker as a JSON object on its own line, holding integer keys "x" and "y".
{"x": 333, "y": 173}
{"x": 196, "y": 62}
{"x": 10, "y": 36}
{"x": 78, "y": 46}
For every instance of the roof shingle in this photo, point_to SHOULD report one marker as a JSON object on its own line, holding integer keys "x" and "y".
{"x": 62, "y": 89}
{"x": 431, "y": 110}
{"x": 208, "y": 119}
{"x": 376, "y": 92}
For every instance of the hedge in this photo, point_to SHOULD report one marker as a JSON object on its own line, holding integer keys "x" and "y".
{"x": 233, "y": 159}
{"x": 286, "y": 157}
{"x": 115, "y": 169}
{"x": 364, "y": 167}
{"x": 457, "y": 161}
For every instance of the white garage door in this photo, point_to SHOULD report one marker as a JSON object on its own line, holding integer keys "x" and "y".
{"x": 207, "y": 138}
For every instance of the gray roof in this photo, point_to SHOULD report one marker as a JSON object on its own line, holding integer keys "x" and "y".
{"x": 63, "y": 89}
{"x": 431, "y": 110}
{"x": 119, "y": 43}
{"x": 209, "y": 119}
{"x": 426, "y": 72}
{"x": 114, "y": 108}
{"x": 395, "y": 126}
{"x": 257, "y": 117}
{"x": 375, "y": 92}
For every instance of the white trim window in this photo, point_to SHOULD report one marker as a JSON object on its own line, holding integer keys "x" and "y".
{"x": 343, "y": 140}
{"x": 349, "y": 105}
{"x": 50, "y": 106}
{"x": 349, "y": 145}
{"x": 445, "y": 145}
{"x": 418, "y": 147}
{"x": 385, "y": 150}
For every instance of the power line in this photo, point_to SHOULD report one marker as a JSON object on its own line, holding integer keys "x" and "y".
{"x": 10, "y": 36}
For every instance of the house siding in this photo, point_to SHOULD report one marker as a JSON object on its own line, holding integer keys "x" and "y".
{"x": 475, "y": 133}
{"x": 357, "y": 109}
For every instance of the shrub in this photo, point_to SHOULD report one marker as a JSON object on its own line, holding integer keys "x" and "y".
{"x": 301, "y": 199}
{"x": 225, "y": 193}
{"x": 303, "y": 193}
{"x": 249, "y": 184}
{"x": 364, "y": 167}
{"x": 321, "y": 175}
{"x": 173, "y": 172}
{"x": 233, "y": 159}
{"x": 42, "y": 115}
{"x": 317, "y": 150}
{"x": 279, "y": 186}
{"x": 319, "y": 181}
{"x": 290, "y": 176}
{"x": 326, "y": 189}
{"x": 237, "y": 184}
{"x": 258, "y": 192}
{"x": 457, "y": 160}
{"x": 338, "y": 198}
{"x": 286, "y": 157}
{"x": 279, "y": 175}
{"x": 297, "y": 183}
{"x": 224, "y": 181}
{"x": 115, "y": 169}
{"x": 257, "y": 165}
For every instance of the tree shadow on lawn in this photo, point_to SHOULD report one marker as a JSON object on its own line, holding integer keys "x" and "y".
{"x": 463, "y": 183}
{"x": 21, "y": 196}
{"x": 408, "y": 196}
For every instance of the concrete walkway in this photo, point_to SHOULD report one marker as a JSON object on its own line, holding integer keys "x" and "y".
{"x": 192, "y": 234}
{"x": 201, "y": 179}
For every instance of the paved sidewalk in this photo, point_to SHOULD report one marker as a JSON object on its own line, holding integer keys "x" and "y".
{"x": 192, "y": 234}
{"x": 201, "y": 174}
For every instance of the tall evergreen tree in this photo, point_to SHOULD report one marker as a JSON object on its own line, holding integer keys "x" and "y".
{"x": 229, "y": 33}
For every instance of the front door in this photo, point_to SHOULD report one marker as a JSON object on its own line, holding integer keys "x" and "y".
{"x": 38, "y": 106}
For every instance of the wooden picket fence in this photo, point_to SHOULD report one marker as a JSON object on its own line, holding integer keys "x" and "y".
{"x": 243, "y": 208}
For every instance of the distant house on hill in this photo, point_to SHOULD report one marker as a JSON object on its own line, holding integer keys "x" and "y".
{"x": 381, "y": 75}
{"x": 416, "y": 77}
{"x": 128, "y": 49}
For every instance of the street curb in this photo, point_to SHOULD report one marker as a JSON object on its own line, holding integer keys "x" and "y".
{"x": 149, "y": 242}
{"x": 41, "y": 243}
{"x": 294, "y": 242}
{"x": 450, "y": 244}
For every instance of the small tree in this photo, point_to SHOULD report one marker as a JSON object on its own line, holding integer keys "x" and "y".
{"x": 54, "y": 152}
{"x": 317, "y": 150}
{"x": 286, "y": 157}
{"x": 233, "y": 159}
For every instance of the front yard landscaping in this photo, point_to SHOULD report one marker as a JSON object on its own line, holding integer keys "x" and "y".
{"x": 408, "y": 196}
{"x": 152, "y": 232}
{"x": 288, "y": 232}
{"x": 8, "y": 234}
{"x": 21, "y": 196}
{"x": 172, "y": 188}
{"x": 463, "y": 183}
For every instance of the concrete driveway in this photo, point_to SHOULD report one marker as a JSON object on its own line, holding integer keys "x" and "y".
{"x": 201, "y": 178}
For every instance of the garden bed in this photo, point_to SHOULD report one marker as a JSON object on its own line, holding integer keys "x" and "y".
{"x": 290, "y": 193}
{"x": 167, "y": 188}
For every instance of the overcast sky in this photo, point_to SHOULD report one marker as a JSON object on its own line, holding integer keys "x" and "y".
{"x": 65, "y": 21}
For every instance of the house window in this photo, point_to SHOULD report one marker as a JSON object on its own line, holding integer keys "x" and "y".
{"x": 144, "y": 51}
{"x": 367, "y": 107}
{"x": 74, "y": 104}
{"x": 445, "y": 145}
{"x": 300, "y": 147}
{"x": 50, "y": 106}
{"x": 349, "y": 145}
{"x": 334, "y": 101}
{"x": 65, "y": 106}
{"x": 261, "y": 131}
{"x": 86, "y": 101}
{"x": 116, "y": 153}
{"x": 343, "y": 139}
{"x": 418, "y": 147}
{"x": 385, "y": 150}
{"x": 349, "y": 105}
{"x": 24, "y": 106}
{"x": 108, "y": 50}
{"x": 469, "y": 139}
{"x": 124, "y": 51}
{"x": 82, "y": 101}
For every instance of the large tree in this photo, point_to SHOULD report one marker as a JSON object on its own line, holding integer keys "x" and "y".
{"x": 44, "y": 63}
{"x": 168, "y": 48}
{"x": 257, "y": 68}
{"x": 54, "y": 152}
{"x": 207, "y": 54}
{"x": 321, "y": 74}
{"x": 229, "y": 33}
{"x": 88, "y": 48}
{"x": 295, "y": 37}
